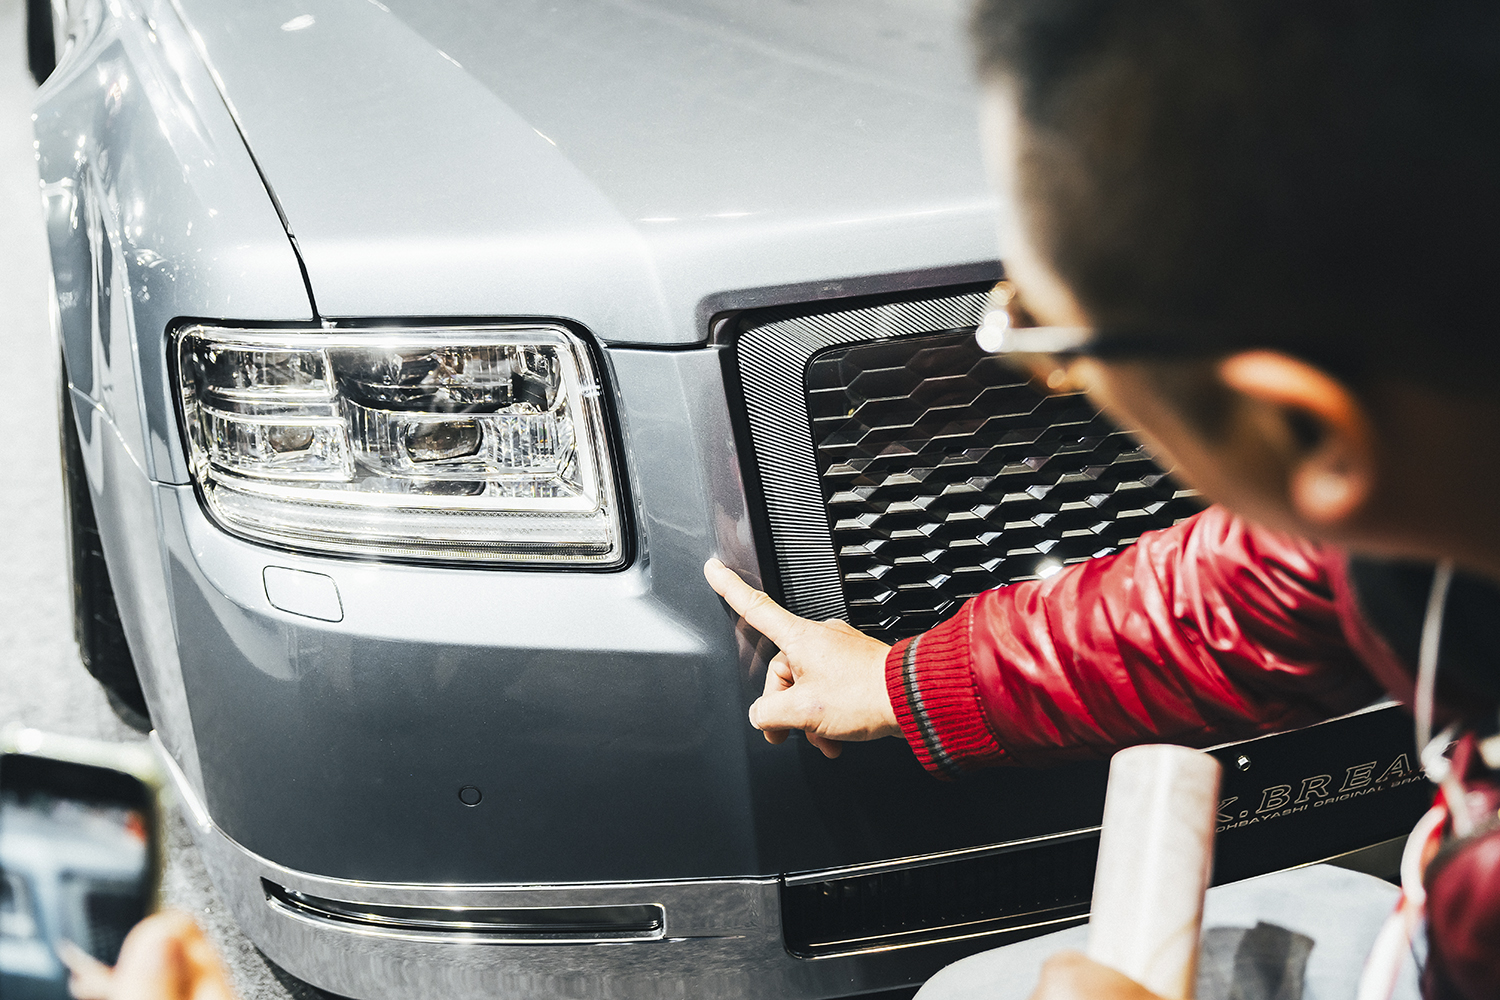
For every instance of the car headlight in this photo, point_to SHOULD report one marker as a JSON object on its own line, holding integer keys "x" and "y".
{"x": 472, "y": 443}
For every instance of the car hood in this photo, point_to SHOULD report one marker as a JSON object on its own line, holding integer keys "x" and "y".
{"x": 615, "y": 162}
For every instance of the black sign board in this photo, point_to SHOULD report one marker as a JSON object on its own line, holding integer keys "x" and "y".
{"x": 1303, "y": 796}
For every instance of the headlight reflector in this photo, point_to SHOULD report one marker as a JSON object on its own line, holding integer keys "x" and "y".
{"x": 450, "y": 443}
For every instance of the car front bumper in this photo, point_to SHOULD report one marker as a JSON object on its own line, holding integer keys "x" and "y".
{"x": 720, "y": 938}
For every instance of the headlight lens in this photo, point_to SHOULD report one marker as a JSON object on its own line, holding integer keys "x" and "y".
{"x": 454, "y": 443}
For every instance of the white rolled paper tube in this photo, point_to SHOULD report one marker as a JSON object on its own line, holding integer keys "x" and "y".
{"x": 1155, "y": 858}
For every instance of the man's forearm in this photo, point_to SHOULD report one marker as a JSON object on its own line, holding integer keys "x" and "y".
{"x": 1209, "y": 630}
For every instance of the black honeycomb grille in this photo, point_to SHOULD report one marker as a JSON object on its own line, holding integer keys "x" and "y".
{"x": 904, "y": 470}
{"x": 946, "y": 473}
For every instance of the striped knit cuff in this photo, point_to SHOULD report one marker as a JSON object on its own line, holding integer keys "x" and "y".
{"x": 932, "y": 690}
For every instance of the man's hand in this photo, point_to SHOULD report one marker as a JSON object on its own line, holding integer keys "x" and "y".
{"x": 165, "y": 957}
{"x": 828, "y": 680}
{"x": 1070, "y": 975}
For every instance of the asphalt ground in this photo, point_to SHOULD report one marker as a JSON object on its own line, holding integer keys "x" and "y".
{"x": 42, "y": 682}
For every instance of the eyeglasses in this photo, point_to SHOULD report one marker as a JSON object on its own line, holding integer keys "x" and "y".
{"x": 1009, "y": 328}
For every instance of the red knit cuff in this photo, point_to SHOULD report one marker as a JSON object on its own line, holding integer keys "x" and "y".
{"x": 931, "y": 686}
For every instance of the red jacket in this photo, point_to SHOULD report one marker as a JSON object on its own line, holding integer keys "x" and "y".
{"x": 1208, "y": 631}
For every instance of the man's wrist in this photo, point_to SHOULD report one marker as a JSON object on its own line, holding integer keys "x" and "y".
{"x": 889, "y": 724}
{"x": 930, "y": 685}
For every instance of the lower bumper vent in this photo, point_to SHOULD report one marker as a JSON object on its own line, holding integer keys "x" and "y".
{"x": 1023, "y": 890}
{"x": 514, "y": 925}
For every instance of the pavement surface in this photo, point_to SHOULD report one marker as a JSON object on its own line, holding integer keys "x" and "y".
{"x": 42, "y": 682}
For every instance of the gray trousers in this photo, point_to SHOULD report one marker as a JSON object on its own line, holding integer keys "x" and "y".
{"x": 1309, "y": 929}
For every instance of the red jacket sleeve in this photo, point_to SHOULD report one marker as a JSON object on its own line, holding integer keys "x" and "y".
{"x": 1211, "y": 630}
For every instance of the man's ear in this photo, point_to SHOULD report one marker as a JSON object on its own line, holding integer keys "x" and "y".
{"x": 1323, "y": 431}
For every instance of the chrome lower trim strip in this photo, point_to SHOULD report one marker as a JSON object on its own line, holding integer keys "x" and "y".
{"x": 951, "y": 935}
{"x": 520, "y": 926}
{"x": 944, "y": 857}
{"x": 483, "y": 925}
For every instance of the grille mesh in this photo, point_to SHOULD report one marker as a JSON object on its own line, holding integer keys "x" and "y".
{"x": 945, "y": 473}
{"x": 904, "y": 470}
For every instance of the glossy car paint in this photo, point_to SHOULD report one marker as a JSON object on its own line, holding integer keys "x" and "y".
{"x": 154, "y": 210}
{"x": 626, "y": 167}
{"x": 607, "y": 162}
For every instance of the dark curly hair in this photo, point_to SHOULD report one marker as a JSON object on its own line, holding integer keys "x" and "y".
{"x": 1317, "y": 175}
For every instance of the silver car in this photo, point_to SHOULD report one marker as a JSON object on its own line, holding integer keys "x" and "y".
{"x": 416, "y": 357}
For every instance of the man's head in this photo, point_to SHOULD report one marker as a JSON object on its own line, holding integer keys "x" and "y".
{"x": 1304, "y": 197}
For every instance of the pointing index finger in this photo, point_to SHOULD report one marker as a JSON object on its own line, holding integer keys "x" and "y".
{"x": 764, "y": 615}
